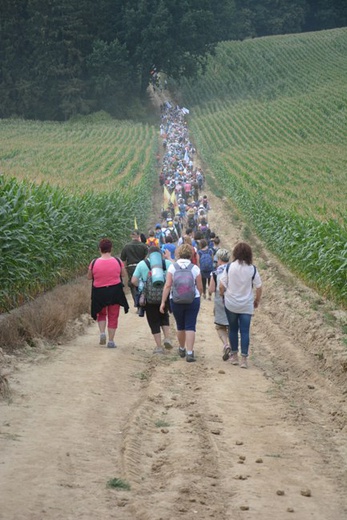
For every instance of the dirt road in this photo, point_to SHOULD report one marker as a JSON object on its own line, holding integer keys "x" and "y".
{"x": 204, "y": 440}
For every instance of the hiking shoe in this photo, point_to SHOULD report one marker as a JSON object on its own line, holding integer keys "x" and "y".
{"x": 182, "y": 352}
{"x": 244, "y": 363}
{"x": 226, "y": 353}
{"x": 167, "y": 343}
{"x": 111, "y": 344}
{"x": 158, "y": 350}
{"x": 102, "y": 339}
{"x": 234, "y": 359}
{"x": 190, "y": 358}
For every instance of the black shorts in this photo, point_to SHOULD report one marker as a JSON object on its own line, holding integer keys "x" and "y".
{"x": 155, "y": 318}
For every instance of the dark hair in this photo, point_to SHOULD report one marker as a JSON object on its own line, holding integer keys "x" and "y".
{"x": 197, "y": 235}
{"x": 168, "y": 239}
{"x": 216, "y": 241}
{"x": 189, "y": 230}
{"x": 105, "y": 245}
{"x": 243, "y": 253}
{"x": 212, "y": 235}
{"x": 203, "y": 243}
{"x": 153, "y": 249}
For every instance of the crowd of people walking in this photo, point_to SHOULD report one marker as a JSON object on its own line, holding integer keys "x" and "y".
{"x": 178, "y": 262}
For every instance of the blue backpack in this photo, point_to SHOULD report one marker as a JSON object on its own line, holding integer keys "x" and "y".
{"x": 206, "y": 261}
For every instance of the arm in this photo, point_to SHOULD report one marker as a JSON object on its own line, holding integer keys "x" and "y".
{"x": 212, "y": 286}
{"x": 166, "y": 292}
{"x": 222, "y": 289}
{"x": 89, "y": 275}
{"x": 223, "y": 282}
{"x": 135, "y": 281}
{"x": 198, "y": 281}
{"x": 258, "y": 294}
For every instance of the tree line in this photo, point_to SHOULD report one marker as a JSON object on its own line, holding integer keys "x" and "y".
{"x": 60, "y": 58}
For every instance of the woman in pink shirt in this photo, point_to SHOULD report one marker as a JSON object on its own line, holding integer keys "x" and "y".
{"x": 107, "y": 291}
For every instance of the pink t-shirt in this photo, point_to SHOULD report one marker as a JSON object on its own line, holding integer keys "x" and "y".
{"x": 106, "y": 271}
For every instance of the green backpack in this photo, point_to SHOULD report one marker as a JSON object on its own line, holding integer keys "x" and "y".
{"x": 153, "y": 293}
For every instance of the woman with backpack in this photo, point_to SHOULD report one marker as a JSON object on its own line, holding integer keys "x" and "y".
{"x": 206, "y": 265}
{"x": 236, "y": 285}
{"x": 184, "y": 285}
{"x": 157, "y": 320}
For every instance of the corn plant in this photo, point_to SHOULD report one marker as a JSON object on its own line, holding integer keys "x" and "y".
{"x": 75, "y": 183}
{"x": 272, "y": 129}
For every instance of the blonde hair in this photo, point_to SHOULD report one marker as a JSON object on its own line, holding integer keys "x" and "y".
{"x": 223, "y": 255}
{"x": 184, "y": 251}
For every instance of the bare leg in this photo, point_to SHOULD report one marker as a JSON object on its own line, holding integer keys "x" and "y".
{"x": 157, "y": 339}
{"x": 223, "y": 334}
{"x": 166, "y": 331}
{"x": 111, "y": 333}
{"x": 102, "y": 326}
{"x": 181, "y": 336}
{"x": 190, "y": 340}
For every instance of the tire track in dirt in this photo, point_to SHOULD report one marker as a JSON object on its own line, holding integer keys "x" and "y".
{"x": 169, "y": 440}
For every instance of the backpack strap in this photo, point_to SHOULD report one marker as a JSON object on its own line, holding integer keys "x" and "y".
{"x": 189, "y": 267}
{"x": 95, "y": 259}
{"x": 149, "y": 265}
{"x": 91, "y": 268}
{"x": 255, "y": 270}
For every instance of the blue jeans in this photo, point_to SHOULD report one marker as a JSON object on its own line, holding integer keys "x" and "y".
{"x": 242, "y": 323}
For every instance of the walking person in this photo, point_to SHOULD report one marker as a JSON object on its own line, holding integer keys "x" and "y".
{"x": 184, "y": 285}
{"x": 236, "y": 285}
{"x": 157, "y": 321}
{"x": 107, "y": 291}
{"x": 206, "y": 265}
{"x": 220, "y": 317}
{"x": 132, "y": 253}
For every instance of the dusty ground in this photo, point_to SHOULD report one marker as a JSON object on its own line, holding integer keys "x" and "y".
{"x": 193, "y": 441}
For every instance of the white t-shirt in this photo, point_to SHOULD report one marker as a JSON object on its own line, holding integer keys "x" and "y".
{"x": 183, "y": 262}
{"x": 238, "y": 296}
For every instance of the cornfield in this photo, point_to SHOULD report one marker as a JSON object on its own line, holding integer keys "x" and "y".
{"x": 269, "y": 118}
{"x": 62, "y": 188}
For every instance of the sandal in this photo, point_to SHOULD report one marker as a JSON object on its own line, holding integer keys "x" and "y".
{"x": 226, "y": 352}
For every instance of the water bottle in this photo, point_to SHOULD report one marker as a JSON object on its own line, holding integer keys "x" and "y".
{"x": 156, "y": 263}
